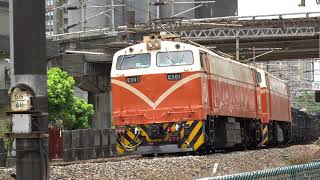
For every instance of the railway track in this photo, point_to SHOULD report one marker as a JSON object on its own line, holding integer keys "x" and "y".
{"x": 184, "y": 167}
{"x": 58, "y": 162}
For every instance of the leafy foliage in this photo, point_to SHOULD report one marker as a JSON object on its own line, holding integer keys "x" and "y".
{"x": 64, "y": 107}
{"x": 4, "y": 121}
{"x": 307, "y": 101}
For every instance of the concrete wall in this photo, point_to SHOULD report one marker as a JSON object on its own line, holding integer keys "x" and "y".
{"x": 4, "y": 26}
{"x": 4, "y": 18}
{"x": 4, "y": 66}
{"x": 298, "y": 73}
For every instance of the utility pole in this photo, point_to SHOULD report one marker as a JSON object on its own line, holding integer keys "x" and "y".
{"x": 112, "y": 11}
{"x": 83, "y": 15}
{"x": 146, "y": 11}
{"x": 158, "y": 10}
{"x": 58, "y": 18}
{"x": 172, "y": 8}
{"x": 29, "y": 106}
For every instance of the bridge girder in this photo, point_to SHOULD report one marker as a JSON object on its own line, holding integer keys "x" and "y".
{"x": 296, "y": 37}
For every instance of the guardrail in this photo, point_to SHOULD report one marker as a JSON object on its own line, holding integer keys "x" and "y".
{"x": 303, "y": 171}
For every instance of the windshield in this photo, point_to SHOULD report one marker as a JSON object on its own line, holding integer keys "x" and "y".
{"x": 134, "y": 61}
{"x": 174, "y": 58}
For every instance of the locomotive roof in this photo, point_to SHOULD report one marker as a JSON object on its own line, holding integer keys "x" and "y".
{"x": 141, "y": 48}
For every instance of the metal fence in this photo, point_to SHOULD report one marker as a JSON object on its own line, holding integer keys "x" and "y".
{"x": 84, "y": 144}
{"x": 309, "y": 171}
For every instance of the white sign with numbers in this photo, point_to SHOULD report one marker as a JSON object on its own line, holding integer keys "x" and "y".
{"x": 20, "y": 101}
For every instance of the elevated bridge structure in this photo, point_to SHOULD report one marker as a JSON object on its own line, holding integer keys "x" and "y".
{"x": 288, "y": 36}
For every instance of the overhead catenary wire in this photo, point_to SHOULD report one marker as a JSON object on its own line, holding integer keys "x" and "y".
{"x": 96, "y": 5}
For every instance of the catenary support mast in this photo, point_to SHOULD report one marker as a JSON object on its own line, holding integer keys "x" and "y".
{"x": 28, "y": 45}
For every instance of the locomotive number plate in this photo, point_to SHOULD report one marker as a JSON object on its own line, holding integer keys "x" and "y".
{"x": 133, "y": 79}
{"x": 173, "y": 77}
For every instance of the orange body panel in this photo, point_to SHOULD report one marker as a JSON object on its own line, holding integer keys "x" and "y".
{"x": 169, "y": 101}
{"x": 275, "y": 107}
{"x": 234, "y": 100}
{"x": 265, "y": 105}
{"x": 184, "y": 103}
{"x": 280, "y": 106}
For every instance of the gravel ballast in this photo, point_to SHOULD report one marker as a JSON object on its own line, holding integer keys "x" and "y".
{"x": 185, "y": 167}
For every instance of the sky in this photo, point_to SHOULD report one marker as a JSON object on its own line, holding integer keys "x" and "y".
{"x": 266, "y": 7}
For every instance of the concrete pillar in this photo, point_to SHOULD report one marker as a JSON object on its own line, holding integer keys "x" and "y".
{"x": 102, "y": 107}
{"x": 58, "y": 17}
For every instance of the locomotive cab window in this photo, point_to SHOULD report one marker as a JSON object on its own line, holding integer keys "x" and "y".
{"x": 259, "y": 80}
{"x": 174, "y": 58}
{"x": 134, "y": 61}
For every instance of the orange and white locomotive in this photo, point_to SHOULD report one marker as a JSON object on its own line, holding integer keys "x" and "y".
{"x": 169, "y": 96}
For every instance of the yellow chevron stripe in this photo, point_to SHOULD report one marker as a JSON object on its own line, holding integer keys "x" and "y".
{"x": 194, "y": 131}
{"x": 143, "y": 133}
{"x": 182, "y": 133}
{"x": 264, "y": 133}
{"x": 264, "y": 141}
{"x": 125, "y": 141}
{"x": 192, "y": 134}
{"x": 189, "y": 122}
{"x": 199, "y": 142}
{"x": 119, "y": 149}
{"x": 165, "y": 125}
{"x": 265, "y": 129}
{"x": 167, "y": 137}
{"x": 173, "y": 128}
{"x": 132, "y": 136}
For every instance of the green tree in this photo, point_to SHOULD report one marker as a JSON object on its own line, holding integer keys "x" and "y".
{"x": 64, "y": 107}
{"x": 4, "y": 121}
{"x": 307, "y": 101}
